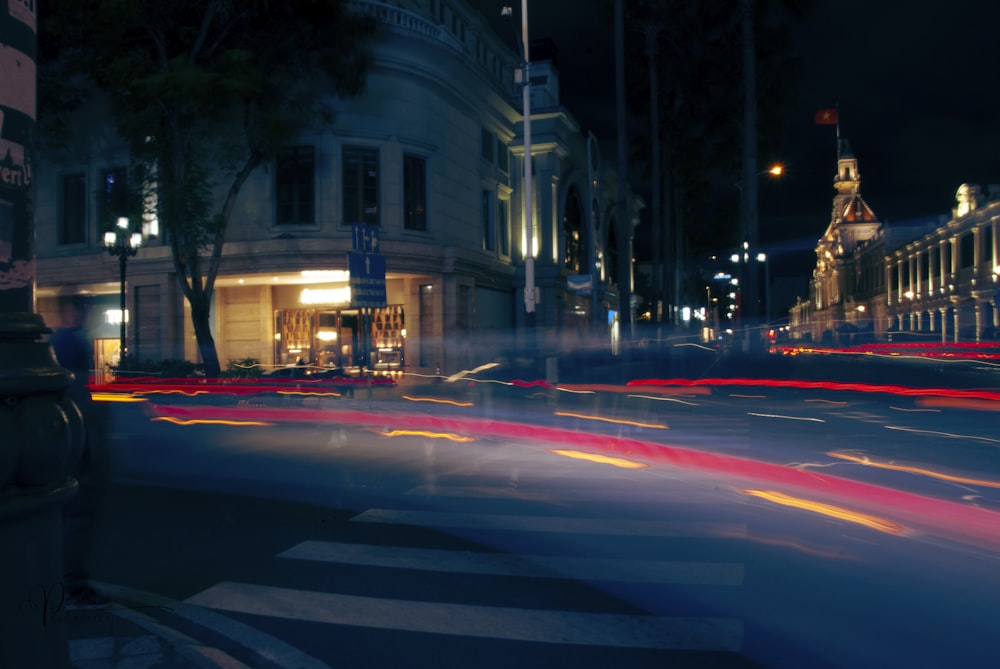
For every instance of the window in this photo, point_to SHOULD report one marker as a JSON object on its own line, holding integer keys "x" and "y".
{"x": 360, "y": 176}
{"x": 487, "y": 213}
{"x": 414, "y": 193}
{"x": 503, "y": 227}
{"x": 503, "y": 156}
{"x": 72, "y": 209}
{"x": 967, "y": 250}
{"x": 488, "y": 141}
{"x": 294, "y": 179}
{"x": 113, "y": 199}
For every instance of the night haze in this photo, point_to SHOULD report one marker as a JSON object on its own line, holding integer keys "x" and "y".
{"x": 910, "y": 88}
{"x": 348, "y": 347}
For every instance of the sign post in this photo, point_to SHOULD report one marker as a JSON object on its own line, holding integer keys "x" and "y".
{"x": 367, "y": 269}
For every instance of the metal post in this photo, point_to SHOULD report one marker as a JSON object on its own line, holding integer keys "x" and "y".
{"x": 122, "y": 263}
{"x": 42, "y": 428}
{"x": 529, "y": 261}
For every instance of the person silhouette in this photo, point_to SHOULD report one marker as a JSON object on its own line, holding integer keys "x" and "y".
{"x": 74, "y": 352}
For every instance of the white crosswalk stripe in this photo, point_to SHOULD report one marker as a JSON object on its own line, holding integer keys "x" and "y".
{"x": 564, "y": 627}
{"x": 290, "y": 601}
{"x": 525, "y": 566}
{"x": 550, "y": 524}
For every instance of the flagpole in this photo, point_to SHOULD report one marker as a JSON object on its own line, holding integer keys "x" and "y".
{"x": 837, "y": 107}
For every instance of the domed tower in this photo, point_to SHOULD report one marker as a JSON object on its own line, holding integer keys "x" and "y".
{"x": 852, "y": 223}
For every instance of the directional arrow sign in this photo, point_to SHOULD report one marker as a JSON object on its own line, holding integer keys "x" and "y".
{"x": 367, "y": 279}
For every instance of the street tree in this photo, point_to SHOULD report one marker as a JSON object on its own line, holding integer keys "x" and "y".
{"x": 205, "y": 92}
{"x": 694, "y": 76}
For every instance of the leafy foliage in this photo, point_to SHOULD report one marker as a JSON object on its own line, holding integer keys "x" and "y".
{"x": 204, "y": 92}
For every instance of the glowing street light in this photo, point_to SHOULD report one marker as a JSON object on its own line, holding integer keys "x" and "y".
{"x": 124, "y": 244}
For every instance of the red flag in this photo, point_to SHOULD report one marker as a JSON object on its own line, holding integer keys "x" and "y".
{"x": 826, "y": 117}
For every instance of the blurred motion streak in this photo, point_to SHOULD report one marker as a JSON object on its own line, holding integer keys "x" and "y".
{"x": 827, "y": 402}
{"x": 436, "y": 400}
{"x": 775, "y": 415}
{"x": 959, "y": 403}
{"x": 186, "y": 393}
{"x": 616, "y": 421}
{"x": 824, "y": 385}
{"x": 949, "y": 435}
{"x": 956, "y": 521}
{"x": 750, "y": 397}
{"x": 465, "y": 372}
{"x": 864, "y": 460}
{"x": 423, "y": 433}
{"x": 116, "y": 397}
{"x": 665, "y": 399}
{"x": 303, "y": 393}
{"x": 602, "y": 459}
{"x": 209, "y": 421}
{"x": 874, "y": 522}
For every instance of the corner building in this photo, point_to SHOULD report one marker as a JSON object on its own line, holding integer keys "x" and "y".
{"x": 431, "y": 153}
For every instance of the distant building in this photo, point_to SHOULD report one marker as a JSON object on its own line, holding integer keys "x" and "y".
{"x": 934, "y": 280}
{"x": 432, "y": 153}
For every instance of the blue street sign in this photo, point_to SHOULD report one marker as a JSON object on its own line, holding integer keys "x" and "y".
{"x": 367, "y": 279}
{"x": 364, "y": 237}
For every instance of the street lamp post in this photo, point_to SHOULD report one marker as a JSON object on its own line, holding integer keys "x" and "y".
{"x": 123, "y": 244}
{"x": 525, "y": 83}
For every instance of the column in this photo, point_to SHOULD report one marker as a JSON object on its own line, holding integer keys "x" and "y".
{"x": 957, "y": 313}
{"x": 944, "y": 324}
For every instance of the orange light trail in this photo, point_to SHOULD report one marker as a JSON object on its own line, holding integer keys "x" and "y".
{"x": 186, "y": 393}
{"x": 422, "y": 433}
{"x": 116, "y": 397}
{"x": 863, "y": 460}
{"x": 838, "y": 512}
{"x": 307, "y": 394}
{"x": 609, "y": 420}
{"x": 209, "y": 421}
{"x": 600, "y": 459}
{"x": 436, "y": 400}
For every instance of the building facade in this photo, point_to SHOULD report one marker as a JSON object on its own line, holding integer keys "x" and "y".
{"x": 431, "y": 154}
{"x": 934, "y": 280}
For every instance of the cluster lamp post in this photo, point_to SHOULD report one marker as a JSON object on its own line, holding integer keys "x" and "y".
{"x": 123, "y": 244}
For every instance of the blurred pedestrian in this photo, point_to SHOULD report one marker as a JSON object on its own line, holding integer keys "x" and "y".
{"x": 74, "y": 352}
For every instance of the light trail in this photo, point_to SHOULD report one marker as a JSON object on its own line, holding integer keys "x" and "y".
{"x": 950, "y": 435}
{"x": 210, "y": 421}
{"x": 775, "y": 415}
{"x": 116, "y": 397}
{"x": 600, "y": 459}
{"x": 829, "y": 510}
{"x": 864, "y": 460}
{"x": 665, "y": 399}
{"x": 436, "y": 400}
{"x": 616, "y": 421}
{"x": 424, "y": 433}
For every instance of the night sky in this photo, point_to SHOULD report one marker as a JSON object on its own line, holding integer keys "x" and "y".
{"x": 915, "y": 84}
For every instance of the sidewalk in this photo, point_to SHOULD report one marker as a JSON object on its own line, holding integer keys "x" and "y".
{"x": 115, "y": 636}
{"x": 139, "y": 630}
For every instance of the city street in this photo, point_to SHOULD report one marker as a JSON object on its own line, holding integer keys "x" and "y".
{"x": 738, "y": 528}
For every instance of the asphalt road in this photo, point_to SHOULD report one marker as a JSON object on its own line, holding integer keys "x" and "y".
{"x": 739, "y": 527}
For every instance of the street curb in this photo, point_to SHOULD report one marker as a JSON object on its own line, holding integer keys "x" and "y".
{"x": 253, "y": 641}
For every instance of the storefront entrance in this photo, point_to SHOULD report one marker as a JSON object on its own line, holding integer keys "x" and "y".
{"x": 369, "y": 338}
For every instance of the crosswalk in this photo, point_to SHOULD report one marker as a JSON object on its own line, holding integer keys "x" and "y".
{"x": 533, "y": 570}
